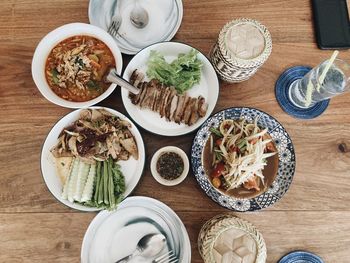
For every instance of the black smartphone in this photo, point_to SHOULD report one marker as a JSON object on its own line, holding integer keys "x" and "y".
{"x": 331, "y": 19}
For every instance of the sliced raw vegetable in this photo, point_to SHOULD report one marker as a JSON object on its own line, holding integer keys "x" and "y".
{"x": 83, "y": 173}
{"x": 73, "y": 182}
{"x": 73, "y": 170}
{"x": 111, "y": 185}
{"x": 105, "y": 183}
{"x": 240, "y": 153}
{"x": 215, "y": 131}
{"x": 98, "y": 179}
{"x": 98, "y": 185}
{"x": 89, "y": 185}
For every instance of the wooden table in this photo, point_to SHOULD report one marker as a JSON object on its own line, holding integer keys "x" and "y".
{"x": 314, "y": 214}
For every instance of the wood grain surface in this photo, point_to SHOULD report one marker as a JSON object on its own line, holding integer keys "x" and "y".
{"x": 314, "y": 215}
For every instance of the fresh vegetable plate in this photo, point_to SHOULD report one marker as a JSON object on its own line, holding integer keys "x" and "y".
{"x": 284, "y": 169}
{"x": 131, "y": 169}
{"x": 207, "y": 89}
{"x": 114, "y": 235}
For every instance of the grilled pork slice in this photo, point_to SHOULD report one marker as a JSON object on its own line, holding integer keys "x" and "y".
{"x": 136, "y": 77}
{"x": 188, "y": 110}
{"x": 168, "y": 104}
{"x": 164, "y": 102}
{"x": 178, "y": 112}
{"x": 186, "y": 102}
{"x": 158, "y": 102}
{"x": 173, "y": 106}
{"x": 182, "y": 104}
{"x": 135, "y": 98}
{"x": 194, "y": 115}
{"x": 147, "y": 100}
{"x": 143, "y": 93}
{"x": 202, "y": 106}
{"x": 152, "y": 94}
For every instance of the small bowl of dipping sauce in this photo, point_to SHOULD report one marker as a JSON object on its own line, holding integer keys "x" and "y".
{"x": 169, "y": 165}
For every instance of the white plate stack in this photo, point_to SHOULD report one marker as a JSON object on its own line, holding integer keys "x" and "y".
{"x": 114, "y": 235}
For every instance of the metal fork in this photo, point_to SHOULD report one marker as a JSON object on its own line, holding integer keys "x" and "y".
{"x": 115, "y": 25}
{"x": 168, "y": 257}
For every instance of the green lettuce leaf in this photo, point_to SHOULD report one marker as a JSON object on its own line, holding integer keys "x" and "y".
{"x": 182, "y": 73}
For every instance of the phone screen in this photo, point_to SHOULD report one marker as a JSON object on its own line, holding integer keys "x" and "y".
{"x": 331, "y": 23}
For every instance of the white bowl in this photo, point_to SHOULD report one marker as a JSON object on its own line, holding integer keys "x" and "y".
{"x": 50, "y": 41}
{"x": 155, "y": 173}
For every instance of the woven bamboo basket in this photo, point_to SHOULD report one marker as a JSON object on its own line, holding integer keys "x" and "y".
{"x": 234, "y": 69}
{"x": 213, "y": 228}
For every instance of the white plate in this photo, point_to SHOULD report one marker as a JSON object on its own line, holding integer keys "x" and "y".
{"x": 132, "y": 169}
{"x": 113, "y": 235}
{"x": 151, "y": 121}
{"x": 165, "y": 18}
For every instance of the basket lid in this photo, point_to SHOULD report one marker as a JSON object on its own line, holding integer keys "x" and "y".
{"x": 245, "y": 43}
{"x": 226, "y": 237}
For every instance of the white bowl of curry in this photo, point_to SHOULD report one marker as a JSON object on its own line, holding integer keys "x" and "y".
{"x": 70, "y": 62}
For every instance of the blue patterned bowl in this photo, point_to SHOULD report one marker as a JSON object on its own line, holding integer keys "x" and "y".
{"x": 286, "y": 156}
{"x": 300, "y": 257}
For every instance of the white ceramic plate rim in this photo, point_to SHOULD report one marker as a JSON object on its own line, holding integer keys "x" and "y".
{"x": 51, "y": 178}
{"x": 155, "y": 173}
{"x": 99, "y": 218}
{"x": 50, "y": 41}
{"x": 149, "y": 124}
{"x": 127, "y": 51}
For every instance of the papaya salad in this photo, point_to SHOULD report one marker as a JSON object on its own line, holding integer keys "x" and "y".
{"x": 239, "y": 151}
{"x": 87, "y": 155}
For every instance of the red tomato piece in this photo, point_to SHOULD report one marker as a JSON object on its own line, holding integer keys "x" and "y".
{"x": 218, "y": 142}
{"x": 219, "y": 168}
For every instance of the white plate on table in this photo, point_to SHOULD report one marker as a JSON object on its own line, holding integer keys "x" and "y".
{"x": 165, "y": 18}
{"x": 114, "y": 235}
{"x": 132, "y": 169}
{"x": 151, "y": 121}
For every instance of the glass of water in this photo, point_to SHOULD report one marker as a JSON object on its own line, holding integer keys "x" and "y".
{"x": 306, "y": 92}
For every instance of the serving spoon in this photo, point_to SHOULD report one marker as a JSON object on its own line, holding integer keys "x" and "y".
{"x": 149, "y": 246}
{"x": 113, "y": 77}
{"x": 139, "y": 16}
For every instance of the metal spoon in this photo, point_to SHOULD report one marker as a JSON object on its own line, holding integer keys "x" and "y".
{"x": 113, "y": 77}
{"x": 139, "y": 16}
{"x": 148, "y": 246}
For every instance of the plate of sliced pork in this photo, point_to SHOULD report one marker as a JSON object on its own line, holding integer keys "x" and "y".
{"x": 178, "y": 88}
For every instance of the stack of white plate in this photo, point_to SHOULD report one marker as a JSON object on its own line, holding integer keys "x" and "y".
{"x": 112, "y": 236}
{"x": 165, "y": 18}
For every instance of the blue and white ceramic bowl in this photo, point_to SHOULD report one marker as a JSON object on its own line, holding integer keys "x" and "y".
{"x": 286, "y": 157}
{"x": 300, "y": 257}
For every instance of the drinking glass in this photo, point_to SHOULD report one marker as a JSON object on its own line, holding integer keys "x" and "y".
{"x": 307, "y": 91}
